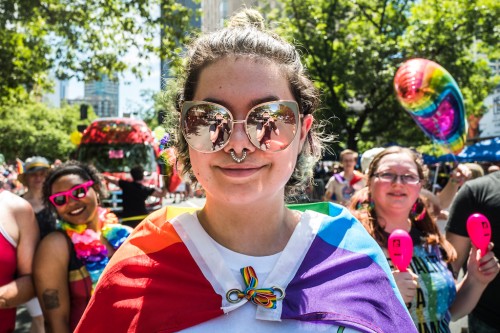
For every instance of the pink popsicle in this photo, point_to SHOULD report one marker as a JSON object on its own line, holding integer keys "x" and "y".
{"x": 479, "y": 229}
{"x": 400, "y": 248}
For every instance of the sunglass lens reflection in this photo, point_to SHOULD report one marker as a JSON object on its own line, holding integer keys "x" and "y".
{"x": 60, "y": 200}
{"x": 207, "y": 127}
{"x": 79, "y": 193}
{"x": 272, "y": 127}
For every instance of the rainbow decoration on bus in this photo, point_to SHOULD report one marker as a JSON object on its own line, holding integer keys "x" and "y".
{"x": 432, "y": 98}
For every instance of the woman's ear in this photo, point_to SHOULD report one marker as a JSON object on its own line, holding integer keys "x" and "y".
{"x": 305, "y": 127}
{"x": 307, "y": 122}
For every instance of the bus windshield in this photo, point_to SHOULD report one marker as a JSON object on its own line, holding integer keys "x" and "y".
{"x": 120, "y": 157}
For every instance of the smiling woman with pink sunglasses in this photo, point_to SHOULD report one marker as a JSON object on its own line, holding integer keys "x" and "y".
{"x": 69, "y": 261}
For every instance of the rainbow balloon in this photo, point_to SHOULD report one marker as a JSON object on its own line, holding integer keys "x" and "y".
{"x": 432, "y": 98}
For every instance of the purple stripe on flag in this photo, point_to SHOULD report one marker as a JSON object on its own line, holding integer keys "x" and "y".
{"x": 346, "y": 288}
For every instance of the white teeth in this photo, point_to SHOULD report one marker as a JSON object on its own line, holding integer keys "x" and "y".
{"x": 77, "y": 211}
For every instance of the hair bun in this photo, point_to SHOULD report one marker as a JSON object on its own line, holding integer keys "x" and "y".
{"x": 247, "y": 18}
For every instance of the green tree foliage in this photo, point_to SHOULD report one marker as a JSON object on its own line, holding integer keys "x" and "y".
{"x": 352, "y": 50}
{"x": 161, "y": 111}
{"x": 165, "y": 102}
{"x": 83, "y": 39}
{"x": 37, "y": 129}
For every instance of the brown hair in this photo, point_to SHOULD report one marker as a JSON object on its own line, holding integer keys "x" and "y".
{"x": 363, "y": 208}
{"x": 348, "y": 152}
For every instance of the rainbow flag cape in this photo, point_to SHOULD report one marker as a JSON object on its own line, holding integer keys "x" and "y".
{"x": 169, "y": 276}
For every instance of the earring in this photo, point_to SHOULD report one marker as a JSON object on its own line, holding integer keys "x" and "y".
{"x": 418, "y": 210}
{"x": 366, "y": 204}
{"x": 371, "y": 205}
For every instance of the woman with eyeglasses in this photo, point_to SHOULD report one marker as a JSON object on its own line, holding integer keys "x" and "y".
{"x": 392, "y": 201}
{"x": 245, "y": 262}
{"x": 69, "y": 261}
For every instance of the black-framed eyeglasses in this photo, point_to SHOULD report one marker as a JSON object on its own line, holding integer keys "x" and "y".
{"x": 390, "y": 177}
{"x": 270, "y": 126}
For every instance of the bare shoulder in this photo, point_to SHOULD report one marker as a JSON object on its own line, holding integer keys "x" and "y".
{"x": 50, "y": 266}
{"x": 52, "y": 254}
{"x": 55, "y": 243}
{"x": 14, "y": 203}
{"x": 17, "y": 210}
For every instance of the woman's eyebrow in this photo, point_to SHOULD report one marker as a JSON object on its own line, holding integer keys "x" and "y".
{"x": 251, "y": 104}
{"x": 269, "y": 98}
{"x": 213, "y": 100}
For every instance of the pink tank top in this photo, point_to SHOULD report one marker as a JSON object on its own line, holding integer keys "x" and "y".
{"x": 8, "y": 262}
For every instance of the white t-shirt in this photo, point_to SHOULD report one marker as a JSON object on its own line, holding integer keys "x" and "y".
{"x": 244, "y": 319}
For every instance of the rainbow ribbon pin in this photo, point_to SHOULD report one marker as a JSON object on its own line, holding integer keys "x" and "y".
{"x": 265, "y": 297}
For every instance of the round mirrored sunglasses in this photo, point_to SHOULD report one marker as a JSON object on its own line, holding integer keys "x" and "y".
{"x": 271, "y": 126}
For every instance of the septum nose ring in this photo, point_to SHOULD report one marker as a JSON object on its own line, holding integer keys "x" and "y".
{"x": 238, "y": 159}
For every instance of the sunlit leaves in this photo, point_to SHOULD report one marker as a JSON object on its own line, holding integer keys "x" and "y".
{"x": 352, "y": 49}
{"x": 84, "y": 38}
{"x": 29, "y": 129}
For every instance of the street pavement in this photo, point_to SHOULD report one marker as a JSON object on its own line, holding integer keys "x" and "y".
{"x": 191, "y": 202}
{"x": 23, "y": 319}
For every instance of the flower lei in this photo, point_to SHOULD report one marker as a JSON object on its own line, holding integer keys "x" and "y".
{"x": 88, "y": 246}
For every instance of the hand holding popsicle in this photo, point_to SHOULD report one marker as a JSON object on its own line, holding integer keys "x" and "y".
{"x": 479, "y": 230}
{"x": 400, "y": 247}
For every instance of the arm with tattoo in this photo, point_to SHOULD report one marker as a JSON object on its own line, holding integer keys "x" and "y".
{"x": 50, "y": 298}
{"x": 51, "y": 281}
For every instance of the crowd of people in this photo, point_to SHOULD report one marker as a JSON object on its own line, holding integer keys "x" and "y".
{"x": 441, "y": 198}
{"x": 248, "y": 261}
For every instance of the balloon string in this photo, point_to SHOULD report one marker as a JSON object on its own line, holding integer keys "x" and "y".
{"x": 435, "y": 179}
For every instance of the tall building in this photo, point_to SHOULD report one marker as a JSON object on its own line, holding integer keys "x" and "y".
{"x": 194, "y": 22}
{"x": 214, "y": 12}
{"x": 103, "y": 95}
{"x": 489, "y": 125}
{"x": 58, "y": 94}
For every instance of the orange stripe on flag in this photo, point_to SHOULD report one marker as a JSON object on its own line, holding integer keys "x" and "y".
{"x": 19, "y": 166}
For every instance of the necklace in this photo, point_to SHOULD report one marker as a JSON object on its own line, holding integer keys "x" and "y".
{"x": 87, "y": 242}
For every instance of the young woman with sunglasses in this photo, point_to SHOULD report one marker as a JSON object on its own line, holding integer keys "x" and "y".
{"x": 69, "y": 261}
{"x": 245, "y": 262}
{"x": 392, "y": 201}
